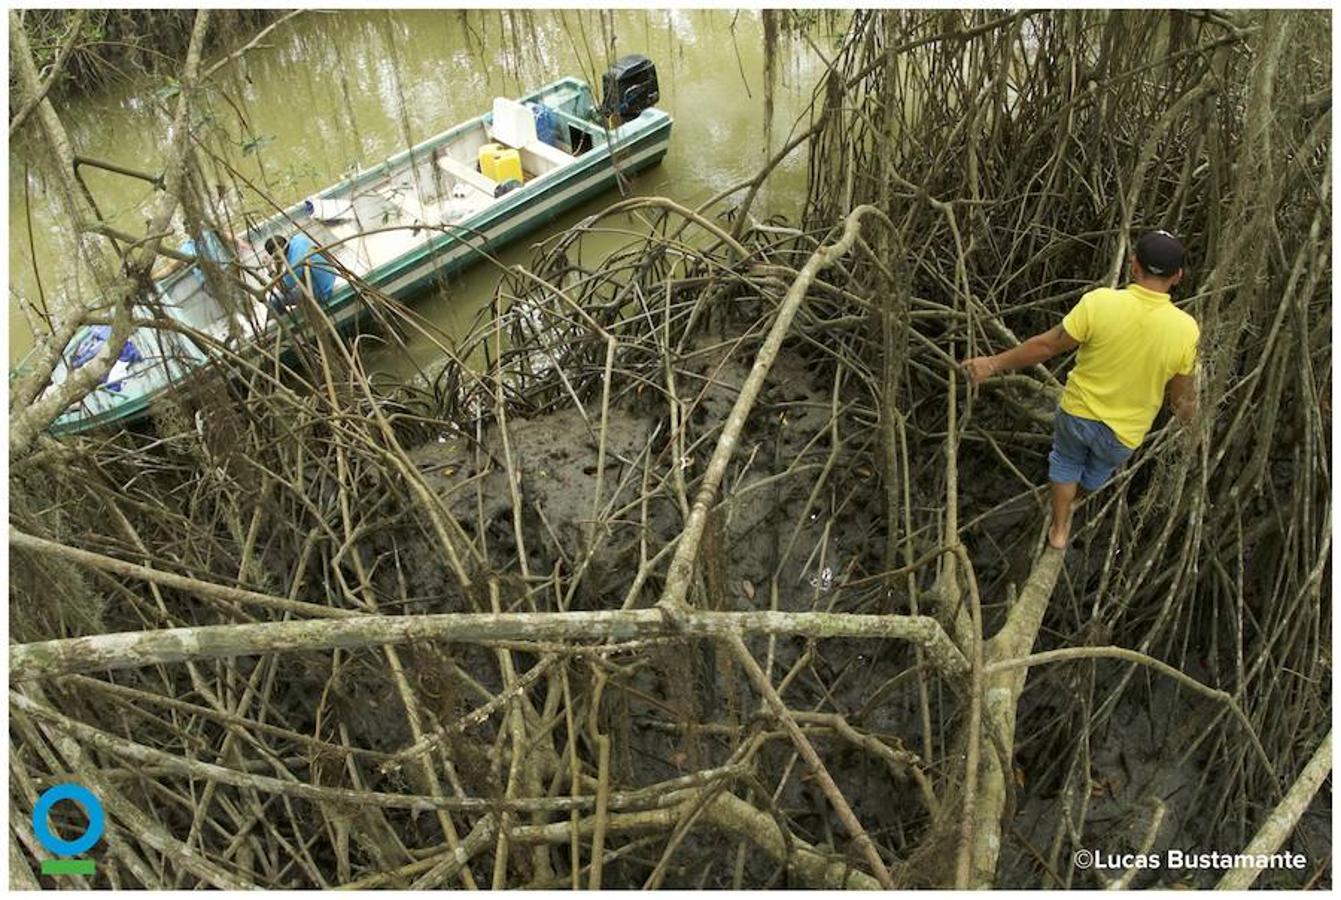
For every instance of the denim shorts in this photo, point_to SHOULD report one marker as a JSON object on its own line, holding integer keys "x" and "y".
{"x": 1085, "y": 451}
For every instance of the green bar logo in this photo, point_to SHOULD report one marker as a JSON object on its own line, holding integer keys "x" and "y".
{"x": 97, "y": 821}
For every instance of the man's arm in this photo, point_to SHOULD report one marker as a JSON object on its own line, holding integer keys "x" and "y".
{"x": 1183, "y": 397}
{"x": 1037, "y": 349}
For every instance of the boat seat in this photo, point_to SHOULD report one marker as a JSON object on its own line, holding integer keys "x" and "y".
{"x": 542, "y": 160}
{"x": 467, "y": 175}
{"x": 549, "y": 153}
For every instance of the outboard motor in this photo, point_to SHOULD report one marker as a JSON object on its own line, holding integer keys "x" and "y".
{"x": 629, "y": 87}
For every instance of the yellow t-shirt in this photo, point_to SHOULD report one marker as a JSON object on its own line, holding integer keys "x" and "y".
{"x": 1132, "y": 341}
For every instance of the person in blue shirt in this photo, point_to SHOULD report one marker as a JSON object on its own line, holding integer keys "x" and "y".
{"x": 295, "y": 257}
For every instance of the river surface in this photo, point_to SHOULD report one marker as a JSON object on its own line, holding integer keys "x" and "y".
{"x": 332, "y": 91}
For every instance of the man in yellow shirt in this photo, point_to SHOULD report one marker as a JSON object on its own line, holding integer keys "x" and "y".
{"x": 1133, "y": 344}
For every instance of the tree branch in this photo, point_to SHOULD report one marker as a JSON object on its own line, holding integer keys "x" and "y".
{"x": 62, "y": 56}
{"x": 35, "y": 414}
{"x": 681, "y": 571}
{"x": 1283, "y": 818}
{"x": 135, "y": 649}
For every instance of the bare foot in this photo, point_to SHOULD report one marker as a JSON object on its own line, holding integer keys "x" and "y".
{"x": 1058, "y": 535}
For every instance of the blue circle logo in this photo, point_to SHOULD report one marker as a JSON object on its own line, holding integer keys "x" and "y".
{"x": 92, "y": 808}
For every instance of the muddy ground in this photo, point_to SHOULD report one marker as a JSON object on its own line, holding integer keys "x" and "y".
{"x": 777, "y": 541}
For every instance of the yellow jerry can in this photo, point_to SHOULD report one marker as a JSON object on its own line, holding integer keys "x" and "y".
{"x": 506, "y": 165}
{"x": 487, "y": 153}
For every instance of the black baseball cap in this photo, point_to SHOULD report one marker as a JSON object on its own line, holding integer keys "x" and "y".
{"x": 1159, "y": 253}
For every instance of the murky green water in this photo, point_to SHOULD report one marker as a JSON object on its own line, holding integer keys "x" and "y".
{"x": 331, "y": 91}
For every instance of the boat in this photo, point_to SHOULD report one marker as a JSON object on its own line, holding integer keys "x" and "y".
{"x": 396, "y": 227}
